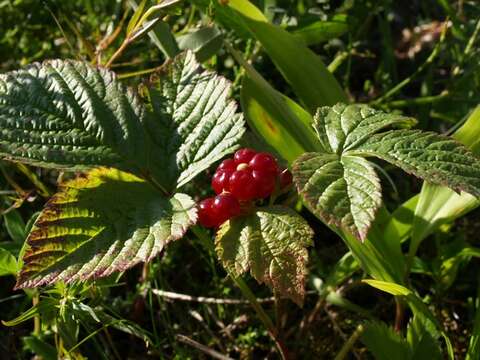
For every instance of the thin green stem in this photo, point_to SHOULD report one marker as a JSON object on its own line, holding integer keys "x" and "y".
{"x": 433, "y": 55}
{"x": 424, "y": 100}
{"x": 248, "y": 294}
{"x": 350, "y": 342}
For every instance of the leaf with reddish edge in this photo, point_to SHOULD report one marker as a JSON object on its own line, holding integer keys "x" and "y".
{"x": 99, "y": 223}
{"x": 342, "y": 191}
{"x": 272, "y": 244}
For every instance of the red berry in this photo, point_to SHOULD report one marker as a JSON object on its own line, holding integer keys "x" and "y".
{"x": 227, "y": 164}
{"x": 264, "y": 183}
{"x": 205, "y": 213}
{"x": 220, "y": 180}
{"x": 286, "y": 178}
{"x": 264, "y": 162}
{"x": 242, "y": 185}
{"x": 244, "y": 155}
{"x": 225, "y": 206}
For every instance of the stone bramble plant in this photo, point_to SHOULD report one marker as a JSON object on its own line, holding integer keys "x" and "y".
{"x": 135, "y": 152}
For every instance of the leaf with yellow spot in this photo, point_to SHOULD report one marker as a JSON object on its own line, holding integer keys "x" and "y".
{"x": 99, "y": 223}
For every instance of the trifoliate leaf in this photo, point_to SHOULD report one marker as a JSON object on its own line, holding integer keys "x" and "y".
{"x": 435, "y": 158}
{"x": 103, "y": 222}
{"x": 271, "y": 244}
{"x": 342, "y": 191}
{"x": 193, "y": 119}
{"x": 69, "y": 114}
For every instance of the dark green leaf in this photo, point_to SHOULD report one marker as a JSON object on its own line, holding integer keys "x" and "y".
{"x": 343, "y": 127}
{"x": 193, "y": 119}
{"x": 15, "y": 226}
{"x": 384, "y": 343}
{"x": 322, "y": 31}
{"x": 204, "y": 42}
{"x": 342, "y": 191}
{"x": 40, "y": 348}
{"x": 68, "y": 114}
{"x": 435, "y": 158}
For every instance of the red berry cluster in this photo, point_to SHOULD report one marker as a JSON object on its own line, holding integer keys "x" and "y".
{"x": 237, "y": 182}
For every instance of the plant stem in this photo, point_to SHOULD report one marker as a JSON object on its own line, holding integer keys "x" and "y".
{"x": 349, "y": 343}
{"x": 406, "y": 81}
{"x": 117, "y": 53}
{"x": 417, "y": 101}
{"x": 36, "y": 318}
{"x": 399, "y": 314}
{"x": 262, "y": 315}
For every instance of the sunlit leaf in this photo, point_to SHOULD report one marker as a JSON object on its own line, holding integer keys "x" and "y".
{"x": 430, "y": 156}
{"x": 68, "y": 114}
{"x": 97, "y": 224}
{"x": 343, "y": 191}
{"x": 194, "y": 119}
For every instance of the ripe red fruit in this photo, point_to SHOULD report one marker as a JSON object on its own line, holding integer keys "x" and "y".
{"x": 242, "y": 185}
{"x": 227, "y": 164}
{"x": 244, "y": 155}
{"x": 264, "y": 183}
{"x": 264, "y": 162}
{"x": 225, "y": 206}
{"x": 205, "y": 213}
{"x": 286, "y": 178}
{"x": 220, "y": 180}
{"x": 212, "y": 212}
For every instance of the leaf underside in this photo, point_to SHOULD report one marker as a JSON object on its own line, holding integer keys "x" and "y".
{"x": 100, "y": 223}
{"x": 271, "y": 244}
{"x": 69, "y": 114}
{"x": 193, "y": 118}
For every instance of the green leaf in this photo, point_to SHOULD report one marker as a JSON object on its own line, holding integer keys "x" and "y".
{"x": 435, "y": 158}
{"x": 68, "y": 114}
{"x": 343, "y": 127}
{"x": 45, "y": 307}
{"x": 300, "y": 66}
{"x": 281, "y": 122}
{"x": 15, "y": 226}
{"x": 474, "y": 343}
{"x": 418, "y": 307}
{"x": 193, "y": 119}
{"x": 271, "y": 244}
{"x": 438, "y": 205}
{"x": 8, "y": 263}
{"x": 161, "y": 36}
{"x": 103, "y": 222}
{"x": 40, "y": 348}
{"x": 136, "y": 16}
{"x": 343, "y": 191}
{"x": 322, "y": 31}
{"x": 422, "y": 343}
{"x": 389, "y": 287}
{"x": 204, "y": 42}
{"x": 384, "y": 343}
